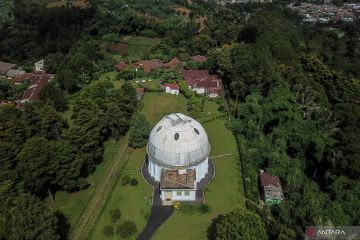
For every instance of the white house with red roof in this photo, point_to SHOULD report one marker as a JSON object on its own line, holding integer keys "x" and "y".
{"x": 171, "y": 88}
{"x": 272, "y": 190}
{"x": 201, "y": 82}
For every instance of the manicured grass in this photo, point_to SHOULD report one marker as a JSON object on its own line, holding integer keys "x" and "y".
{"x": 73, "y": 204}
{"x": 133, "y": 201}
{"x": 223, "y": 194}
{"x": 211, "y": 107}
{"x": 157, "y": 105}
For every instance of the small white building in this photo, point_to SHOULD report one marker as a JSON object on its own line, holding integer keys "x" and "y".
{"x": 39, "y": 66}
{"x": 178, "y": 152}
{"x": 171, "y": 88}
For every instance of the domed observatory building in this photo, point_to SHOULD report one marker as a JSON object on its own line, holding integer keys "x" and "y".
{"x": 178, "y": 154}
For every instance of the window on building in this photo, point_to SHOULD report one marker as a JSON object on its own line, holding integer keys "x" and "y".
{"x": 178, "y": 193}
{"x": 176, "y": 136}
{"x": 197, "y": 131}
{"x": 187, "y": 193}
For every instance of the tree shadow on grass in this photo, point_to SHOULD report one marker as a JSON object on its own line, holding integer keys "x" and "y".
{"x": 63, "y": 226}
{"x": 211, "y": 231}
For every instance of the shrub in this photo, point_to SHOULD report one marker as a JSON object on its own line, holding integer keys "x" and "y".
{"x": 108, "y": 231}
{"x": 125, "y": 180}
{"x": 204, "y": 208}
{"x": 127, "y": 229}
{"x": 115, "y": 215}
{"x": 176, "y": 205}
{"x": 134, "y": 182}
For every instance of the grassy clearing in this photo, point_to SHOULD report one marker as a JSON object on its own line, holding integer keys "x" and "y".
{"x": 223, "y": 194}
{"x": 133, "y": 201}
{"x": 63, "y": 3}
{"x": 157, "y": 105}
{"x": 137, "y": 46}
{"x": 140, "y": 41}
{"x": 73, "y": 204}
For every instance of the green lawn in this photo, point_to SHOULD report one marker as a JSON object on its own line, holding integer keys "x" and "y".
{"x": 157, "y": 105}
{"x": 133, "y": 201}
{"x": 73, "y": 204}
{"x": 223, "y": 194}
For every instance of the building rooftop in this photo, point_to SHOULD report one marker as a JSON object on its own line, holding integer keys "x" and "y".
{"x": 200, "y": 78}
{"x": 23, "y": 77}
{"x": 32, "y": 92}
{"x": 178, "y": 141}
{"x": 172, "y": 86}
{"x": 4, "y": 67}
{"x": 173, "y": 63}
{"x": 121, "y": 66}
{"x": 149, "y": 65}
{"x": 199, "y": 58}
{"x": 267, "y": 179}
{"x": 171, "y": 179}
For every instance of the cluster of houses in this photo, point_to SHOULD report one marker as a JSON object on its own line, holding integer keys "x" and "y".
{"x": 199, "y": 81}
{"x": 325, "y": 13}
{"x": 37, "y": 80}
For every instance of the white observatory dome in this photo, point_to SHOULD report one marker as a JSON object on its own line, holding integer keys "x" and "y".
{"x": 178, "y": 141}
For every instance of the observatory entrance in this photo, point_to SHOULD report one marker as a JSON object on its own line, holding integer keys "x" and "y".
{"x": 177, "y": 185}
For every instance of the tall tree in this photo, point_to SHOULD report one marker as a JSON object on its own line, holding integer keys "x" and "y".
{"x": 240, "y": 224}
{"x": 139, "y": 131}
{"x": 24, "y": 217}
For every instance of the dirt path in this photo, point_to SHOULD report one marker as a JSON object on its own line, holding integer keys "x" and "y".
{"x": 88, "y": 218}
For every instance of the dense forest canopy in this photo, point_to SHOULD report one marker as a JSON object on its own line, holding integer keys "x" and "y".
{"x": 293, "y": 92}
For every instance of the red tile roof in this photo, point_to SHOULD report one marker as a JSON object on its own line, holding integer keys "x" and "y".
{"x": 140, "y": 91}
{"x": 23, "y": 77}
{"x": 149, "y": 65}
{"x": 172, "y": 86}
{"x": 173, "y": 63}
{"x": 200, "y": 78}
{"x": 267, "y": 180}
{"x": 4, "y": 67}
{"x": 121, "y": 66}
{"x": 32, "y": 92}
{"x": 199, "y": 58}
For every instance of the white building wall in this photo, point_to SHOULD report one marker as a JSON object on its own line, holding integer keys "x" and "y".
{"x": 201, "y": 170}
{"x": 182, "y": 197}
{"x": 155, "y": 170}
{"x": 171, "y": 91}
{"x": 213, "y": 95}
{"x": 199, "y": 90}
